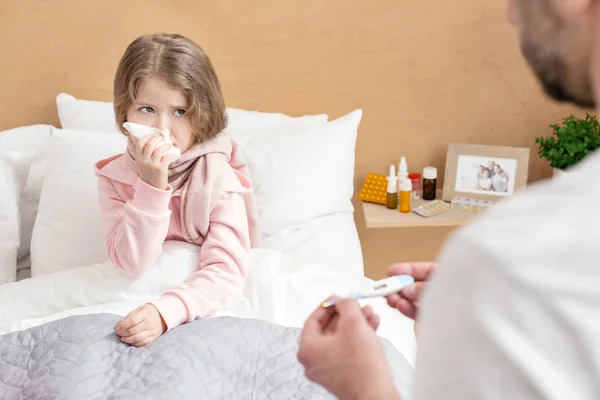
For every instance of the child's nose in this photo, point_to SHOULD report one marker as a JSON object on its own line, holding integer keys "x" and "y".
{"x": 163, "y": 123}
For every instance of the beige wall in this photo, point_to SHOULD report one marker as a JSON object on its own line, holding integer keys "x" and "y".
{"x": 426, "y": 73}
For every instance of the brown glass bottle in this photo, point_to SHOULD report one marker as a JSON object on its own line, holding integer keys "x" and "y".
{"x": 429, "y": 183}
{"x": 392, "y": 201}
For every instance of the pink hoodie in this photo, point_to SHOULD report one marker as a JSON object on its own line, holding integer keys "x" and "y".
{"x": 139, "y": 218}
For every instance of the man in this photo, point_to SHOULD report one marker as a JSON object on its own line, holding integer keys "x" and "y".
{"x": 514, "y": 309}
{"x": 491, "y": 166}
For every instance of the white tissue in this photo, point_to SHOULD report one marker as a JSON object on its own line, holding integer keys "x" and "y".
{"x": 140, "y": 131}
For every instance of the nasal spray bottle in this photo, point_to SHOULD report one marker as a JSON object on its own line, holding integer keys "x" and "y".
{"x": 402, "y": 170}
{"x": 392, "y": 189}
{"x": 405, "y": 186}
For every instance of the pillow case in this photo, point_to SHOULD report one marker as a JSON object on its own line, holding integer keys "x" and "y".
{"x": 68, "y": 229}
{"x": 27, "y": 147}
{"x": 9, "y": 219}
{"x": 85, "y": 115}
{"x": 99, "y": 116}
{"x": 302, "y": 173}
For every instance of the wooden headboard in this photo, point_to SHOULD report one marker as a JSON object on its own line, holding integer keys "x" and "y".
{"x": 426, "y": 73}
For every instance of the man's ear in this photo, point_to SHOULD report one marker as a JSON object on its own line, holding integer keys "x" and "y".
{"x": 571, "y": 9}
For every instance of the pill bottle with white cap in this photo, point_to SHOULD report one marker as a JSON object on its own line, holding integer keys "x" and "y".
{"x": 405, "y": 195}
{"x": 429, "y": 183}
{"x": 392, "y": 189}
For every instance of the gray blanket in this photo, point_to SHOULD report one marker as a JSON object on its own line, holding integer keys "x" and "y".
{"x": 80, "y": 357}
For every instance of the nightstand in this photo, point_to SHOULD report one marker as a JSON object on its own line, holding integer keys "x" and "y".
{"x": 378, "y": 216}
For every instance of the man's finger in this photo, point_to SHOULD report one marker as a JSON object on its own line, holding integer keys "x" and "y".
{"x": 392, "y": 298}
{"x": 349, "y": 310}
{"x": 373, "y": 320}
{"x": 413, "y": 292}
{"x": 404, "y": 306}
{"x": 332, "y": 325}
{"x": 421, "y": 271}
{"x": 318, "y": 320}
{"x": 367, "y": 311}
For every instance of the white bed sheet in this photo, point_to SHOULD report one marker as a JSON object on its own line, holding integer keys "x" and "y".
{"x": 280, "y": 289}
{"x": 331, "y": 240}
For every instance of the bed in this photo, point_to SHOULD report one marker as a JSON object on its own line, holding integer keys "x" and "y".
{"x": 61, "y": 298}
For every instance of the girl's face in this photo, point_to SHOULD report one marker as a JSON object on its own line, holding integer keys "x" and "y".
{"x": 164, "y": 107}
{"x": 497, "y": 169}
{"x": 486, "y": 173}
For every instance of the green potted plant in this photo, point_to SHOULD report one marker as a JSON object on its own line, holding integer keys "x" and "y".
{"x": 571, "y": 142}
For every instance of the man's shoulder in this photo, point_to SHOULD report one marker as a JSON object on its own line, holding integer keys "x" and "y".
{"x": 548, "y": 218}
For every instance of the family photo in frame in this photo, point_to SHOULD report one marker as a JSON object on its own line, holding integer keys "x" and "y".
{"x": 484, "y": 172}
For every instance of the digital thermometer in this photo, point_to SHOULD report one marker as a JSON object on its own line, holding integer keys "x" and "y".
{"x": 381, "y": 288}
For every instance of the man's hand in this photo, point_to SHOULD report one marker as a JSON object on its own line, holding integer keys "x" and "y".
{"x": 340, "y": 351}
{"x": 407, "y": 301}
{"x": 141, "y": 326}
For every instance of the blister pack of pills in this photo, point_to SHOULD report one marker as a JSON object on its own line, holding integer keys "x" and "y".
{"x": 374, "y": 190}
{"x": 432, "y": 209}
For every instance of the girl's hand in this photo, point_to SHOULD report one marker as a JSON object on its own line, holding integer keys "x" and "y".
{"x": 151, "y": 161}
{"x": 141, "y": 326}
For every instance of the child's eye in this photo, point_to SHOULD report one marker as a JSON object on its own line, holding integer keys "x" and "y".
{"x": 147, "y": 110}
{"x": 179, "y": 113}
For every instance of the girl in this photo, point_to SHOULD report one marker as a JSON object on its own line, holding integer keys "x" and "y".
{"x": 485, "y": 183}
{"x": 167, "y": 82}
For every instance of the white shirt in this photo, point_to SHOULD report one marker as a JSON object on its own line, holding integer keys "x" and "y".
{"x": 485, "y": 183}
{"x": 514, "y": 309}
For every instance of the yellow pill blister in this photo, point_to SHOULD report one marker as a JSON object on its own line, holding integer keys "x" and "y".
{"x": 432, "y": 209}
{"x": 374, "y": 189}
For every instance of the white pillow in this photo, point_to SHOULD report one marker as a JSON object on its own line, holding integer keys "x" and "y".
{"x": 257, "y": 124}
{"x": 85, "y": 115}
{"x": 302, "y": 173}
{"x": 99, "y": 116}
{"x": 27, "y": 146}
{"x": 9, "y": 219}
{"x": 68, "y": 229}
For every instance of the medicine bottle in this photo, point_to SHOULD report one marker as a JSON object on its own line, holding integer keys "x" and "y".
{"x": 415, "y": 179}
{"x": 405, "y": 195}
{"x": 392, "y": 189}
{"x": 429, "y": 183}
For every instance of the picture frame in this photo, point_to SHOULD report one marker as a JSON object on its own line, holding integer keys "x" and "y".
{"x": 484, "y": 172}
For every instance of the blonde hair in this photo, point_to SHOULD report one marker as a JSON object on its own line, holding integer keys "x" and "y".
{"x": 184, "y": 65}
